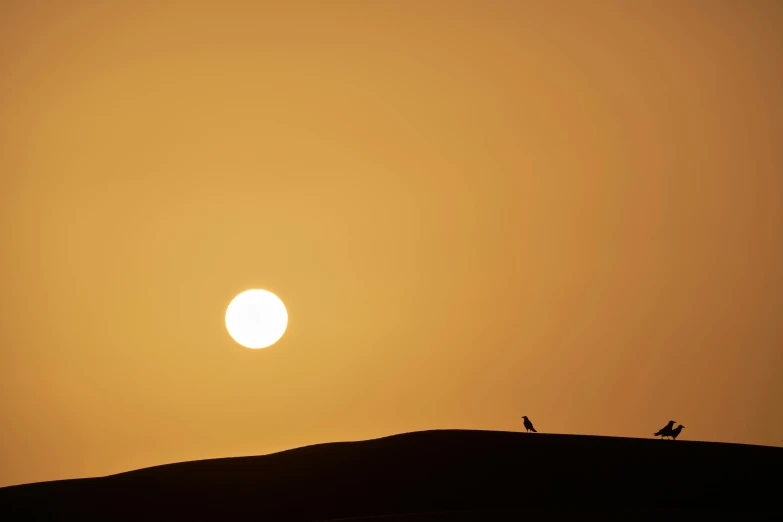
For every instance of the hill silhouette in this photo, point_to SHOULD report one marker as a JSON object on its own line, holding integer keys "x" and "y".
{"x": 433, "y": 475}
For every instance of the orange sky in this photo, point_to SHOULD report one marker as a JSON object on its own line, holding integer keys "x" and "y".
{"x": 472, "y": 210}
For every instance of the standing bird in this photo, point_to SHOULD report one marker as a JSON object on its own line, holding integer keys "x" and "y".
{"x": 528, "y": 424}
{"x": 676, "y": 431}
{"x": 666, "y": 431}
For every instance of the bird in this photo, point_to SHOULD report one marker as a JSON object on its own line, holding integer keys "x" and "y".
{"x": 676, "y": 431}
{"x": 666, "y": 431}
{"x": 528, "y": 424}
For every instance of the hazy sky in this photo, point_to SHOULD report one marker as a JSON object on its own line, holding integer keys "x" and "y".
{"x": 472, "y": 210}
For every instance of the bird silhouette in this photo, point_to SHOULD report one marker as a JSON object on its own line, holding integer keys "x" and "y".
{"x": 676, "y": 431}
{"x": 666, "y": 431}
{"x": 528, "y": 424}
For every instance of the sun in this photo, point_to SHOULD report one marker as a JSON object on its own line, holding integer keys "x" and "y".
{"x": 256, "y": 318}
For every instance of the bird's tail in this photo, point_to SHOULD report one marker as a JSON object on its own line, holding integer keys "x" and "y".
{"x": 533, "y": 430}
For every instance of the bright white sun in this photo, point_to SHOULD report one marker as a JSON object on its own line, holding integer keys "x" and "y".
{"x": 256, "y": 318}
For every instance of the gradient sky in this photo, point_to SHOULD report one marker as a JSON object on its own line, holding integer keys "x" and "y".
{"x": 472, "y": 210}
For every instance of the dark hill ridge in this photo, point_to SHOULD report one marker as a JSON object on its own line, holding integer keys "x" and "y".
{"x": 457, "y": 473}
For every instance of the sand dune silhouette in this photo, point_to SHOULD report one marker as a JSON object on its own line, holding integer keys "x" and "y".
{"x": 433, "y": 475}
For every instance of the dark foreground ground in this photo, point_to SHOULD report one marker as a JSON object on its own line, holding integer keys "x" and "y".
{"x": 448, "y": 475}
